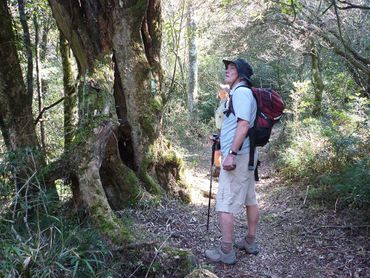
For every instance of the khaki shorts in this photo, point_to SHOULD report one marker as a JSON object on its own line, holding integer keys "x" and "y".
{"x": 236, "y": 188}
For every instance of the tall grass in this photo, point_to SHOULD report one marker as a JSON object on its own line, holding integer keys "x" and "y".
{"x": 40, "y": 237}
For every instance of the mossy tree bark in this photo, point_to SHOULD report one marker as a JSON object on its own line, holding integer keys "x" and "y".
{"x": 137, "y": 44}
{"x": 17, "y": 123}
{"x": 316, "y": 78}
{"x": 117, "y": 47}
{"x": 87, "y": 29}
{"x": 70, "y": 96}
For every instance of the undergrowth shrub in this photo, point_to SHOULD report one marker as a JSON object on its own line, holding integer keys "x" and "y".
{"x": 329, "y": 153}
{"x": 46, "y": 245}
{"x": 183, "y": 128}
{"x": 39, "y": 237}
{"x": 62, "y": 248}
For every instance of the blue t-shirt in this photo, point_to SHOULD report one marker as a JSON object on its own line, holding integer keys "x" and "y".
{"x": 245, "y": 108}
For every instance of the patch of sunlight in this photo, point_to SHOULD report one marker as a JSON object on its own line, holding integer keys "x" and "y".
{"x": 64, "y": 190}
{"x": 199, "y": 182}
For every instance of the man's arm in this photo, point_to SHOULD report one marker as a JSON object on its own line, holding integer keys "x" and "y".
{"x": 240, "y": 134}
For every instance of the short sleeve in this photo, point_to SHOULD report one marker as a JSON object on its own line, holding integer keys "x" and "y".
{"x": 244, "y": 104}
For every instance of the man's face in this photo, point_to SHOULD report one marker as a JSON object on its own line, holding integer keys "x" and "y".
{"x": 231, "y": 74}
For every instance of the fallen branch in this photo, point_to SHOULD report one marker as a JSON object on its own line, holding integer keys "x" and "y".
{"x": 156, "y": 254}
{"x": 305, "y": 197}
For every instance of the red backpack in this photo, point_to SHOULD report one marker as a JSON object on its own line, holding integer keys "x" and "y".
{"x": 270, "y": 106}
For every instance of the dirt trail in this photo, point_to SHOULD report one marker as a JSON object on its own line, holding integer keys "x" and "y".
{"x": 296, "y": 238}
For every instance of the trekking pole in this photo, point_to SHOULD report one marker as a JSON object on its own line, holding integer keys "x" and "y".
{"x": 210, "y": 185}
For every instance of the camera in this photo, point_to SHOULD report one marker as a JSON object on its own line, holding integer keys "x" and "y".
{"x": 216, "y": 141}
{"x": 215, "y": 137}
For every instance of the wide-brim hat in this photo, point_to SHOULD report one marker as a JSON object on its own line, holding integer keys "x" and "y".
{"x": 244, "y": 69}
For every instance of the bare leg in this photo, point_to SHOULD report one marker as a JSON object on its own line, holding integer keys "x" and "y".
{"x": 252, "y": 217}
{"x": 248, "y": 244}
{"x": 226, "y": 221}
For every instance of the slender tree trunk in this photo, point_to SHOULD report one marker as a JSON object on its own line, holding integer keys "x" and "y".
{"x": 176, "y": 38}
{"x": 40, "y": 97}
{"x": 317, "y": 79}
{"x": 3, "y": 128}
{"x": 70, "y": 99}
{"x": 16, "y": 110}
{"x": 27, "y": 45}
{"x": 45, "y": 38}
{"x": 193, "y": 63}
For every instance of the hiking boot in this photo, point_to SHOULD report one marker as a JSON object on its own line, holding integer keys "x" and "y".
{"x": 249, "y": 248}
{"x": 216, "y": 255}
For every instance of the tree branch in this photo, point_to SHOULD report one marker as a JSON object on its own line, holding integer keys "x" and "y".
{"x": 338, "y": 20}
{"x": 356, "y": 63}
{"x": 324, "y": 12}
{"x": 293, "y": 8}
{"x": 46, "y": 108}
{"x": 351, "y": 6}
{"x": 350, "y": 49}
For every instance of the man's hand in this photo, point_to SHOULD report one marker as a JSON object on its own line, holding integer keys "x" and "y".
{"x": 229, "y": 163}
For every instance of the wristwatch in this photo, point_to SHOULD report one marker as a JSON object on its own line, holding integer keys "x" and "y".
{"x": 232, "y": 152}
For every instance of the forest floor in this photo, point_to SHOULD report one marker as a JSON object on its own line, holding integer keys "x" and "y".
{"x": 297, "y": 237}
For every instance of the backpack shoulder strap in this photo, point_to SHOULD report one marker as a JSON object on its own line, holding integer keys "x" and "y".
{"x": 231, "y": 107}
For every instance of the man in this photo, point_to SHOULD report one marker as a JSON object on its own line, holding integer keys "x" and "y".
{"x": 236, "y": 182}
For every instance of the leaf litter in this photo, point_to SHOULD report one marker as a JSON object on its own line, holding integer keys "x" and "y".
{"x": 296, "y": 237}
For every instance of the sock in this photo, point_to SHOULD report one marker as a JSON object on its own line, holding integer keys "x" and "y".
{"x": 226, "y": 247}
{"x": 250, "y": 239}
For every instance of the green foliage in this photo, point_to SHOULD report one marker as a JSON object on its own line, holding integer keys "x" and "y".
{"x": 290, "y": 7}
{"x": 207, "y": 105}
{"x": 181, "y": 127}
{"x": 63, "y": 248}
{"x": 351, "y": 184}
{"x": 210, "y": 76}
{"x": 330, "y": 153}
{"x": 35, "y": 243}
{"x": 38, "y": 238}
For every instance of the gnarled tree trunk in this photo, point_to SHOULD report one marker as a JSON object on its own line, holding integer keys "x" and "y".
{"x": 117, "y": 143}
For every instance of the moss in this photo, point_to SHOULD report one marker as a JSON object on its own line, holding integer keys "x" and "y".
{"x": 173, "y": 159}
{"x": 150, "y": 184}
{"x": 148, "y": 120}
{"x": 148, "y": 125}
{"x": 184, "y": 261}
{"x": 117, "y": 231}
{"x": 138, "y": 9}
{"x": 96, "y": 102}
{"x": 157, "y": 103}
{"x": 149, "y": 160}
{"x": 110, "y": 226}
{"x": 169, "y": 167}
{"x": 131, "y": 183}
